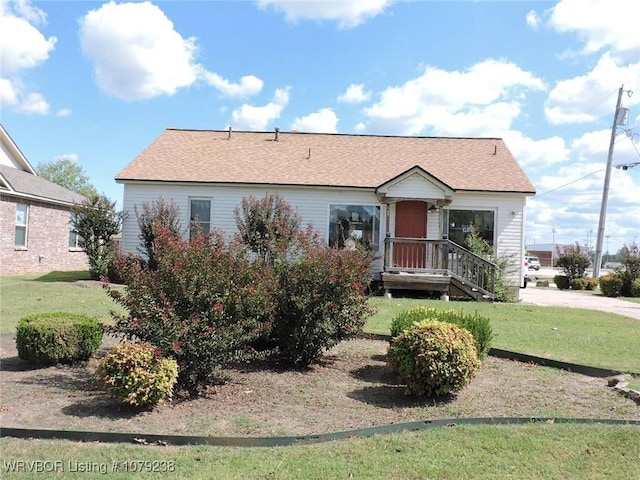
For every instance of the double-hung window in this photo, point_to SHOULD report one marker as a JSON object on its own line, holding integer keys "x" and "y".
{"x": 22, "y": 220}
{"x": 74, "y": 237}
{"x": 354, "y": 226}
{"x": 199, "y": 215}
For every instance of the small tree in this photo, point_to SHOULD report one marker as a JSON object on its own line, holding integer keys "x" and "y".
{"x": 573, "y": 260}
{"x": 156, "y": 214}
{"x": 97, "y": 222}
{"x": 68, "y": 174}
{"x": 630, "y": 270}
{"x": 268, "y": 226}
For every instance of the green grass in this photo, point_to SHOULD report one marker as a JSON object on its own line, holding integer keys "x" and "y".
{"x": 53, "y": 292}
{"x": 586, "y": 337}
{"x": 463, "y": 452}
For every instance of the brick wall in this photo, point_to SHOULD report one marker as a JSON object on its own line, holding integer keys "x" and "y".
{"x": 47, "y": 240}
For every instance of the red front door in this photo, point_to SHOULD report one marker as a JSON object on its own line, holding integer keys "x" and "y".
{"x": 411, "y": 222}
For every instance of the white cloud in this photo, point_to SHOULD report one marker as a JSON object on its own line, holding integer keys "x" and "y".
{"x": 587, "y": 98}
{"x": 533, "y": 20}
{"x": 601, "y": 24}
{"x": 34, "y": 103}
{"x": 324, "y": 120}
{"x": 145, "y": 57}
{"x": 250, "y": 117}
{"x": 69, "y": 156}
{"x": 354, "y": 94}
{"x": 536, "y": 154}
{"x": 482, "y": 99}
{"x": 63, "y": 113}
{"x": 346, "y": 14}
{"x": 248, "y": 85}
{"x": 23, "y": 47}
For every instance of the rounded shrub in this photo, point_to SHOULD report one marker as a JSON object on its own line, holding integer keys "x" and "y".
{"x": 59, "y": 337}
{"x": 578, "y": 284}
{"x": 477, "y": 325}
{"x": 635, "y": 288}
{"x": 137, "y": 374}
{"x": 434, "y": 358}
{"x": 562, "y": 282}
{"x": 591, "y": 283}
{"x": 611, "y": 284}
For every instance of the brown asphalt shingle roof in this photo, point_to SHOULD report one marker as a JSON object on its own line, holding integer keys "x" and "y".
{"x": 366, "y": 161}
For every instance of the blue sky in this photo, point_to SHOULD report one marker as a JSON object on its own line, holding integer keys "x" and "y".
{"x": 98, "y": 81}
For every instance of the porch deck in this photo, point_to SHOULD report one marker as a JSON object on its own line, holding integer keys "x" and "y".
{"x": 437, "y": 266}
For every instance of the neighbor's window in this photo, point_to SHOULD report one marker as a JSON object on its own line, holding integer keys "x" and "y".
{"x": 354, "y": 226}
{"x": 22, "y": 217}
{"x": 200, "y": 214}
{"x": 458, "y": 224}
{"x": 74, "y": 237}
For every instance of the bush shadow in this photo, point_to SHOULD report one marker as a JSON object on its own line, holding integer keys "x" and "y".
{"x": 59, "y": 276}
{"x": 393, "y": 396}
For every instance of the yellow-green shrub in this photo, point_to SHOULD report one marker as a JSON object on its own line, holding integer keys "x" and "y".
{"x": 434, "y": 358}
{"x": 137, "y": 374}
{"x": 59, "y": 337}
{"x": 479, "y": 326}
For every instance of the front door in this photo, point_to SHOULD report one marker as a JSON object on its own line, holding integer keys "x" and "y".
{"x": 411, "y": 222}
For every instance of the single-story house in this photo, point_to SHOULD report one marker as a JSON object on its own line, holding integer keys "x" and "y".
{"x": 35, "y": 234}
{"x": 412, "y": 200}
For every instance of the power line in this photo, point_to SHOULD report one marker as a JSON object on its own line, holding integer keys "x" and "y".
{"x": 567, "y": 184}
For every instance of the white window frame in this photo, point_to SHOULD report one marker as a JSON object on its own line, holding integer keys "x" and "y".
{"x": 375, "y": 229}
{"x": 74, "y": 237}
{"x": 192, "y": 220}
{"x": 22, "y": 225}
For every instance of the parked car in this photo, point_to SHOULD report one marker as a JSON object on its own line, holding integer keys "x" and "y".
{"x": 533, "y": 262}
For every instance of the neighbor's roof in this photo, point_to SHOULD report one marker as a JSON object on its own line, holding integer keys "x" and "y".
{"x": 24, "y": 184}
{"x": 365, "y": 161}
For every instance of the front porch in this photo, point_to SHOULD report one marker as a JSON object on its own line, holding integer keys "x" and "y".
{"x": 437, "y": 266}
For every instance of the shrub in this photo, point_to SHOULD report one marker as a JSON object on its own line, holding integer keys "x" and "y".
{"x": 137, "y": 374}
{"x": 591, "y": 283}
{"x": 578, "y": 283}
{"x": 611, "y": 284}
{"x": 155, "y": 214}
{"x": 60, "y": 337}
{"x": 320, "y": 301}
{"x": 204, "y": 305}
{"x": 268, "y": 226}
{"x": 562, "y": 282}
{"x": 434, "y": 358}
{"x": 635, "y": 288}
{"x": 477, "y": 325}
{"x": 573, "y": 260}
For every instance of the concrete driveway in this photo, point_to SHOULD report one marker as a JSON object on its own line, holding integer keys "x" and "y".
{"x": 553, "y": 297}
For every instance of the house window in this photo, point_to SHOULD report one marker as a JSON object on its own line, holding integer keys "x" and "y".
{"x": 200, "y": 215}
{"x": 74, "y": 237}
{"x": 354, "y": 226}
{"x": 458, "y": 224}
{"x": 22, "y": 217}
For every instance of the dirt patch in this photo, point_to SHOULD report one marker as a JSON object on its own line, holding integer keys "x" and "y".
{"x": 351, "y": 388}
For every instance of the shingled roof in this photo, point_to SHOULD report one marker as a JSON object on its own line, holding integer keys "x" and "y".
{"x": 14, "y": 181}
{"x": 336, "y": 160}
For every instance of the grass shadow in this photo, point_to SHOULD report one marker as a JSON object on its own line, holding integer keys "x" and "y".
{"x": 59, "y": 276}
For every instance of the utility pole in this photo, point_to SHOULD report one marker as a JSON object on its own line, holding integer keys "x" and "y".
{"x": 607, "y": 178}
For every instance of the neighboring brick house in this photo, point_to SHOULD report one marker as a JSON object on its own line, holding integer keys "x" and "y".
{"x": 35, "y": 231}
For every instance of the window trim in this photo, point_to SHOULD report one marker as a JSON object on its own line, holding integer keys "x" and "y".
{"x": 76, "y": 237}
{"x": 377, "y": 245}
{"x": 24, "y": 226}
{"x": 191, "y": 221}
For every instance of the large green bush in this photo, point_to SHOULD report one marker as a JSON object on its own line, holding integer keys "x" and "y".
{"x": 204, "y": 304}
{"x": 611, "y": 284}
{"x": 477, "y": 325}
{"x": 635, "y": 288}
{"x": 573, "y": 260}
{"x": 320, "y": 301}
{"x": 434, "y": 358}
{"x": 59, "y": 337}
{"x": 137, "y": 374}
{"x": 562, "y": 282}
